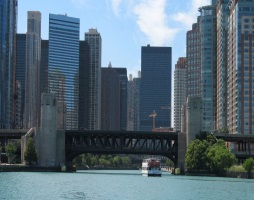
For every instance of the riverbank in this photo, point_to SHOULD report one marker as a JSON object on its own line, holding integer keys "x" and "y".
{"x": 27, "y": 168}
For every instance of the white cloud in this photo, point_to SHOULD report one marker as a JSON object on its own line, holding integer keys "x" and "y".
{"x": 116, "y": 6}
{"x": 190, "y": 17}
{"x": 152, "y": 21}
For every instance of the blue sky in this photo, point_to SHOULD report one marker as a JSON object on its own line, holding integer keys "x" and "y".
{"x": 125, "y": 25}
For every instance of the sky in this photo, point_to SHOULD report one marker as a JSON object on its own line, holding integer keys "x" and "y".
{"x": 124, "y": 25}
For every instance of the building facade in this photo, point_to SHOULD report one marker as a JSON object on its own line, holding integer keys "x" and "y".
{"x": 111, "y": 99}
{"x": 8, "y": 29}
{"x": 240, "y": 73}
{"x": 207, "y": 26}
{"x": 193, "y": 71}
{"x": 155, "y": 87}
{"x": 84, "y": 71}
{"x": 179, "y": 90}
{"x": 222, "y": 16}
{"x": 123, "y": 97}
{"x": 44, "y": 66}
{"x": 63, "y": 64}
{"x": 133, "y": 103}
{"x": 21, "y": 72}
{"x": 94, "y": 40}
{"x": 33, "y": 57}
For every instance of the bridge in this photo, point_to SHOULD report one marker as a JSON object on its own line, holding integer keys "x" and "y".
{"x": 121, "y": 142}
{"x": 242, "y": 145}
{"x": 77, "y": 142}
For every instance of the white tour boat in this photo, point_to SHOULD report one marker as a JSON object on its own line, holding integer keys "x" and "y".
{"x": 151, "y": 167}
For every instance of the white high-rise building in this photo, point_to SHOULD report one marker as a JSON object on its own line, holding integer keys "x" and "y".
{"x": 180, "y": 90}
{"x": 33, "y": 56}
{"x": 93, "y": 38}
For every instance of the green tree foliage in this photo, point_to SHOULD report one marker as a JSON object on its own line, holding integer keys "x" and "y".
{"x": 196, "y": 158}
{"x": 10, "y": 149}
{"x": 30, "y": 152}
{"x": 103, "y": 160}
{"x": 220, "y": 158}
{"x": 209, "y": 154}
{"x": 248, "y": 164}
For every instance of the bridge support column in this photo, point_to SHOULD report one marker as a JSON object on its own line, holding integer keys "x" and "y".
{"x": 181, "y": 152}
{"x": 50, "y": 142}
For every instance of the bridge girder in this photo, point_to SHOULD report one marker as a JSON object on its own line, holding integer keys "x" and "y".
{"x": 164, "y": 144}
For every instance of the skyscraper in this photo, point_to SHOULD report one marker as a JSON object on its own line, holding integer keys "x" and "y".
{"x": 193, "y": 73}
{"x": 33, "y": 56}
{"x": 240, "y": 69}
{"x": 222, "y": 25}
{"x": 155, "y": 86}
{"x": 111, "y": 99}
{"x": 21, "y": 72}
{"x": 207, "y": 25}
{"x": 84, "y": 67}
{"x": 133, "y": 103}
{"x": 123, "y": 97}
{"x": 93, "y": 38}
{"x": 8, "y": 29}
{"x": 63, "y": 65}
{"x": 44, "y": 66}
{"x": 179, "y": 91}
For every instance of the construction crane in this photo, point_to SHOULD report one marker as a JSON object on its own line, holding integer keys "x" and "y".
{"x": 153, "y": 115}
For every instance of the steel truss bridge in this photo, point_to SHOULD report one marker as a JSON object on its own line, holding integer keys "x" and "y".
{"x": 121, "y": 142}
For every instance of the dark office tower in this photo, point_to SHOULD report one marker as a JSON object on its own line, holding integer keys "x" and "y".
{"x": 64, "y": 64}
{"x": 123, "y": 97}
{"x": 33, "y": 56}
{"x": 240, "y": 67}
{"x": 137, "y": 86}
{"x": 207, "y": 25}
{"x": 44, "y": 66}
{"x": 111, "y": 100}
{"x": 83, "y": 112}
{"x": 193, "y": 71}
{"x": 155, "y": 87}
{"x": 8, "y": 29}
{"x": 130, "y": 104}
{"x": 179, "y": 91}
{"x": 222, "y": 15}
{"x": 21, "y": 72}
{"x": 93, "y": 38}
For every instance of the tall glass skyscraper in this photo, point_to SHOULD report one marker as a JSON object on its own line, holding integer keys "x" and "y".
{"x": 8, "y": 29}
{"x": 208, "y": 57}
{"x": 64, "y": 63}
{"x": 33, "y": 57}
{"x": 156, "y": 65}
{"x": 93, "y": 38}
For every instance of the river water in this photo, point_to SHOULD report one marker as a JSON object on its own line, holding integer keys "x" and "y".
{"x": 120, "y": 184}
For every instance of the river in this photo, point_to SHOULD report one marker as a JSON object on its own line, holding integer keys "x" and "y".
{"x": 120, "y": 184}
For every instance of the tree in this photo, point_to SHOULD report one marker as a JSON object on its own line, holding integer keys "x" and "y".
{"x": 30, "y": 153}
{"x": 220, "y": 158}
{"x": 10, "y": 151}
{"x": 248, "y": 165}
{"x": 196, "y": 158}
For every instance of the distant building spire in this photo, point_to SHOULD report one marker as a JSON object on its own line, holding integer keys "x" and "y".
{"x": 109, "y": 65}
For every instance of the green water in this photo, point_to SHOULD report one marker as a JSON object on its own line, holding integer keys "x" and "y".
{"x": 124, "y": 184}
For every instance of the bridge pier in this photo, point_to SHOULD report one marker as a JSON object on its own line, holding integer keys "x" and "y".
{"x": 49, "y": 142}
